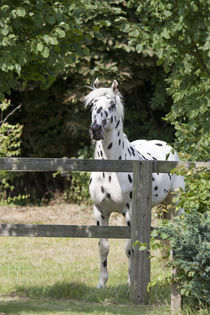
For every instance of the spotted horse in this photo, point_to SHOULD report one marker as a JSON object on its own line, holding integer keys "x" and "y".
{"x": 110, "y": 191}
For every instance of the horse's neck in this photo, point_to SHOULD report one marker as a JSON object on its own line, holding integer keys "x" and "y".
{"x": 112, "y": 147}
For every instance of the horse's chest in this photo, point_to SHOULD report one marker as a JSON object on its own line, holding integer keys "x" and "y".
{"x": 109, "y": 188}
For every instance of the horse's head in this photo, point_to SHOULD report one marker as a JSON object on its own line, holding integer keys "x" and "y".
{"x": 103, "y": 103}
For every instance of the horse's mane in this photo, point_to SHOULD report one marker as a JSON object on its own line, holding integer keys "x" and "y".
{"x": 96, "y": 93}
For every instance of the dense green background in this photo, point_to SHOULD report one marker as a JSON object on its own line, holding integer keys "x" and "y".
{"x": 52, "y": 51}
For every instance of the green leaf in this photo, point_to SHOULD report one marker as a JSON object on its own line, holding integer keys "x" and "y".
{"x": 60, "y": 33}
{"x": 142, "y": 246}
{"x": 21, "y": 12}
{"x": 45, "y": 52}
{"x": 139, "y": 48}
{"x": 160, "y": 62}
{"x": 5, "y": 30}
{"x": 18, "y": 68}
{"x": 39, "y": 47}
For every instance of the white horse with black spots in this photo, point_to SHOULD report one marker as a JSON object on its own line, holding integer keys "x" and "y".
{"x": 112, "y": 192}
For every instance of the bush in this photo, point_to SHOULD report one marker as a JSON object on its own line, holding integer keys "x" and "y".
{"x": 189, "y": 236}
{"x": 9, "y": 146}
{"x": 77, "y": 184}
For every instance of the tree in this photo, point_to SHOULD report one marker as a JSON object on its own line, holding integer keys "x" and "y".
{"x": 37, "y": 39}
{"x": 177, "y": 32}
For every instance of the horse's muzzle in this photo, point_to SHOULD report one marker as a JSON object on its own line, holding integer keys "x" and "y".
{"x": 96, "y": 132}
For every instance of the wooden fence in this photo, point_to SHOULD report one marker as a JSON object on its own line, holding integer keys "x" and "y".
{"x": 141, "y": 212}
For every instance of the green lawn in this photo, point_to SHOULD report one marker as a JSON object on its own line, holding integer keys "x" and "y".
{"x": 59, "y": 275}
{"x": 45, "y": 275}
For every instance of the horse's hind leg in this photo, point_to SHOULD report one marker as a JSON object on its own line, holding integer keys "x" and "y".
{"x": 103, "y": 246}
{"x": 128, "y": 254}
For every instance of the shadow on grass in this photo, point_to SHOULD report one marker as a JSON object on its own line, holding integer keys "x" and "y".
{"x": 51, "y": 306}
{"x": 119, "y": 294}
{"x": 79, "y": 291}
{"x": 73, "y": 298}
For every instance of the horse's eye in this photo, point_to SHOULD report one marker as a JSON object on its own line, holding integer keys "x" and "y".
{"x": 99, "y": 110}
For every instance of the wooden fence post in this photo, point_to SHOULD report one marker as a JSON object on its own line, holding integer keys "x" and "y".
{"x": 140, "y": 230}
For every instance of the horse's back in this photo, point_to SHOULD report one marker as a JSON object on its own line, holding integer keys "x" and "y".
{"x": 155, "y": 150}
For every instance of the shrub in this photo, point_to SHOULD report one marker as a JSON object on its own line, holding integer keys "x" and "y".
{"x": 77, "y": 184}
{"x": 189, "y": 236}
{"x": 10, "y": 141}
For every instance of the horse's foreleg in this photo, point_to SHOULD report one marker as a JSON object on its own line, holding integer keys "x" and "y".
{"x": 103, "y": 246}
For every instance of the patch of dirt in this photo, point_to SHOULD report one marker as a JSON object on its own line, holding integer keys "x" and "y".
{"x": 63, "y": 213}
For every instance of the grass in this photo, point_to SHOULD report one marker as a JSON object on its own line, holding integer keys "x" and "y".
{"x": 59, "y": 275}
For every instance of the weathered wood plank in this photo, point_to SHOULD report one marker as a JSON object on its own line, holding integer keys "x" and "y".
{"x": 77, "y": 165}
{"x": 140, "y": 231}
{"x": 72, "y": 230}
{"x": 83, "y": 231}
{"x": 62, "y": 164}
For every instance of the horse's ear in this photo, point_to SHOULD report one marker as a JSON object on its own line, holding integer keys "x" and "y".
{"x": 114, "y": 86}
{"x": 96, "y": 84}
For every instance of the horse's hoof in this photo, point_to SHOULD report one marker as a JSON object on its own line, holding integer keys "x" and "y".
{"x": 100, "y": 286}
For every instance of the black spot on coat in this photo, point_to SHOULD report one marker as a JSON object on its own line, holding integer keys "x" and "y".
{"x": 117, "y": 124}
{"x": 130, "y": 178}
{"x": 105, "y": 263}
{"x": 109, "y": 146}
{"x": 99, "y": 110}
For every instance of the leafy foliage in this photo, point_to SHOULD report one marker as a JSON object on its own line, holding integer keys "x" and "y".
{"x": 190, "y": 243}
{"x": 77, "y": 184}
{"x": 177, "y": 33}
{"x": 9, "y": 146}
{"x": 189, "y": 236}
{"x": 37, "y": 38}
{"x": 196, "y": 197}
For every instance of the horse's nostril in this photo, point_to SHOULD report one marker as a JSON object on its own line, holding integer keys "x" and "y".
{"x": 95, "y": 127}
{"x": 96, "y": 131}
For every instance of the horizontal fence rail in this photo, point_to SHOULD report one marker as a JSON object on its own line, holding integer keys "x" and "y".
{"x": 55, "y": 230}
{"x": 76, "y": 165}
{"x": 51, "y": 230}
